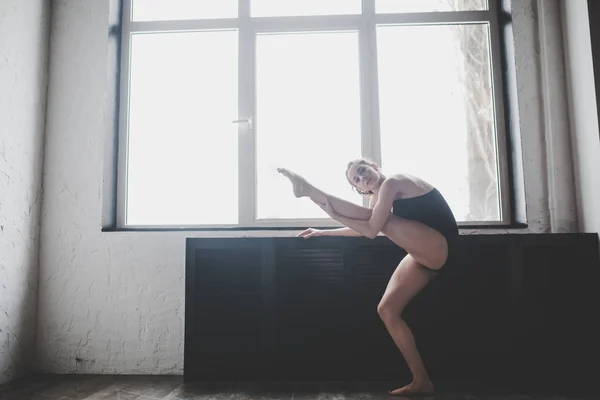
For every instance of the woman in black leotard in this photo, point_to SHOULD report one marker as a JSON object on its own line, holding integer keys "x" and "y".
{"x": 412, "y": 214}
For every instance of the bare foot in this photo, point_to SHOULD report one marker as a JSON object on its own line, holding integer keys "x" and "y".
{"x": 415, "y": 389}
{"x": 299, "y": 184}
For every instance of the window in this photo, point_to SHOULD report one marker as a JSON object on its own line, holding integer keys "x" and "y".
{"x": 217, "y": 94}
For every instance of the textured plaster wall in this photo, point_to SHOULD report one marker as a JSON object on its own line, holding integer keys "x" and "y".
{"x": 542, "y": 118}
{"x": 23, "y": 66}
{"x": 584, "y": 113}
{"x": 114, "y": 302}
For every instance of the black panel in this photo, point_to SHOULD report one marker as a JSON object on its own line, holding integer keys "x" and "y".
{"x": 375, "y": 355}
{"x": 228, "y": 312}
{"x": 559, "y": 312}
{"x": 509, "y": 311}
{"x": 475, "y": 306}
{"x": 312, "y": 312}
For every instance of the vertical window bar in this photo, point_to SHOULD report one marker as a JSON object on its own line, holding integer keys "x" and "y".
{"x": 369, "y": 91}
{"x": 124, "y": 115}
{"x": 246, "y": 131}
{"x": 371, "y": 142}
{"x": 499, "y": 112}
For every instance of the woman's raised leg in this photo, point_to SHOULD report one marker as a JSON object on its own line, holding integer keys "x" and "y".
{"x": 425, "y": 244}
{"x": 302, "y": 188}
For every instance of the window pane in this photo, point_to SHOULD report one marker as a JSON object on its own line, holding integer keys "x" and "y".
{"x": 437, "y": 113}
{"x": 407, "y": 6}
{"x": 182, "y": 145}
{"x": 270, "y": 8}
{"x": 168, "y": 10}
{"x": 308, "y": 118}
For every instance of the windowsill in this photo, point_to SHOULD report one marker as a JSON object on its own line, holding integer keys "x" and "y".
{"x": 516, "y": 225}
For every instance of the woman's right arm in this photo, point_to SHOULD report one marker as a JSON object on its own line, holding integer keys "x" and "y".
{"x": 339, "y": 231}
{"x": 310, "y": 232}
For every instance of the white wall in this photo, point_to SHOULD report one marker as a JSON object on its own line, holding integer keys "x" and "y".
{"x": 23, "y": 65}
{"x": 584, "y": 113}
{"x": 114, "y": 302}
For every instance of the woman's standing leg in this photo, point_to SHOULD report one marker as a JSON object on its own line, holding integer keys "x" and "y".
{"x": 406, "y": 282}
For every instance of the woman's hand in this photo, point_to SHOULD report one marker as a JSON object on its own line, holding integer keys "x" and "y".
{"x": 310, "y": 232}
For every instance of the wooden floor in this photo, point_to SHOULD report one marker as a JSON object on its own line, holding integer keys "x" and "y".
{"x": 104, "y": 387}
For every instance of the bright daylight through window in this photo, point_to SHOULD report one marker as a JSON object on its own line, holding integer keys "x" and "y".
{"x": 216, "y": 95}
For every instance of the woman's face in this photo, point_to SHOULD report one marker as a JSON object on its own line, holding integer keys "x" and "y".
{"x": 364, "y": 176}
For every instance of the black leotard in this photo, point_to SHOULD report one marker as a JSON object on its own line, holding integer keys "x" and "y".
{"x": 432, "y": 210}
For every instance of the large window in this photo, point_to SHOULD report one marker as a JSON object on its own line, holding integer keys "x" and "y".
{"x": 217, "y": 94}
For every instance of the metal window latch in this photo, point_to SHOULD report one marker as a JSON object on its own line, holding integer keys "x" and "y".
{"x": 247, "y": 121}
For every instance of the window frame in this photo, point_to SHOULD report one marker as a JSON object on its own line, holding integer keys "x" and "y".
{"x": 248, "y": 27}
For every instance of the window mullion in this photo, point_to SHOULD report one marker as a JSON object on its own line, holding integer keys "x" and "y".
{"x": 371, "y": 146}
{"x": 499, "y": 117}
{"x": 123, "y": 142}
{"x": 246, "y": 131}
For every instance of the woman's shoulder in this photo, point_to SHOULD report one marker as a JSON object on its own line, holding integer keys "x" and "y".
{"x": 409, "y": 185}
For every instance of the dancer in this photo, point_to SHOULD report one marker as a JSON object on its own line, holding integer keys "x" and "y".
{"x": 412, "y": 214}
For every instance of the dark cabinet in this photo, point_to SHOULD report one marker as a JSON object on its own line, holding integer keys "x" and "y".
{"x": 511, "y": 308}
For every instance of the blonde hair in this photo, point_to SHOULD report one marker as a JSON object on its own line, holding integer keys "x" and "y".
{"x": 360, "y": 161}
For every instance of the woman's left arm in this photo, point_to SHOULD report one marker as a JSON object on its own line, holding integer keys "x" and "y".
{"x": 381, "y": 212}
